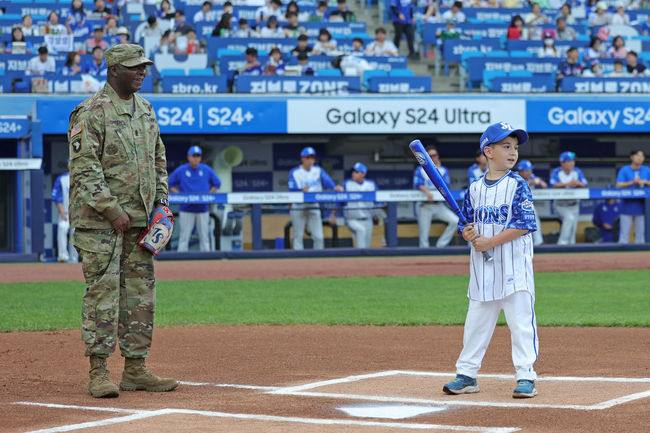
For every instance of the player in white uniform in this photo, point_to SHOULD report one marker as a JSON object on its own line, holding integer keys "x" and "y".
{"x": 358, "y": 214}
{"x": 525, "y": 170}
{"x": 477, "y": 169}
{"x": 499, "y": 208}
{"x": 308, "y": 177}
{"x": 568, "y": 176}
{"x": 61, "y": 196}
{"x": 429, "y": 210}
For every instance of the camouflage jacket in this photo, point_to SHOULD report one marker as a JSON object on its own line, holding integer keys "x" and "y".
{"x": 117, "y": 162}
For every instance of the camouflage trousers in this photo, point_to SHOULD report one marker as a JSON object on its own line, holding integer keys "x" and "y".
{"x": 120, "y": 297}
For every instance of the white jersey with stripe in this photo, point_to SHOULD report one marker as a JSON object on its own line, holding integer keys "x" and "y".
{"x": 505, "y": 204}
{"x": 359, "y": 209}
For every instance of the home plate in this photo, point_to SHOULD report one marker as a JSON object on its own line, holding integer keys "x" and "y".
{"x": 393, "y": 411}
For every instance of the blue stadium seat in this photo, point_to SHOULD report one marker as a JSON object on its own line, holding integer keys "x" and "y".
{"x": 400, "y": 73}
{"x": 339, "y": 36}
{"x": 328, "y": 73}
{"x": 361, "y": 35}
{"x": 475, "y": 20}
{"x": 520, "y": 53}
{"x": 373, "y": 73}
{"x": 520, "y": 73}
{"x": 172, "y": 72}
{"x": 488, "y": 75}
{"x": 583, "y": 38}
{"x": 228, "y": 52}
{"x": 497, "y": 53}
{"x": 203, "y": 72}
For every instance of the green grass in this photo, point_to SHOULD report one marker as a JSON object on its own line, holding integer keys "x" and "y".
{"x": 611, "y": 298}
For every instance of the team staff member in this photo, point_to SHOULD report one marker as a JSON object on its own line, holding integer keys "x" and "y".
{"x": 568, "y": 176}
{"x": 525, "y": 170}
{"x": 308, "y": 177}
{"x": 194, "y": 177}
{"x": 635, "y": 175}
{"x": 429, "y": 210}
{"x": 61, "y": 196}
{"x": 117, "y": 177}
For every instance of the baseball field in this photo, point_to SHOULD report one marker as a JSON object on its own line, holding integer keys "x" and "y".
{"x": 334, "y": 345}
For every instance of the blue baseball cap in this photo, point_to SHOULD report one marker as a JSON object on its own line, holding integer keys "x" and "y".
{"x": 567, "y": 156}
{"x": 308, "y": 151}
{"x": 498, "y": 131}
{"x": 194, "y": 150}
{"x": 525, "y": 164}
{"x": 360, "y": 167}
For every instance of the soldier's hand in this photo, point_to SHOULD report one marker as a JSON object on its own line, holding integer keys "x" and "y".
{"x": 122, "y": 223}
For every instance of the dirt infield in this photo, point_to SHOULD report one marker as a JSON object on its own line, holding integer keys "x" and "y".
{"x": 319, "y": 379}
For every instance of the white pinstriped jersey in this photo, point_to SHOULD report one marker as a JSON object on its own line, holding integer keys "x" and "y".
{"x": 506, "y": 204}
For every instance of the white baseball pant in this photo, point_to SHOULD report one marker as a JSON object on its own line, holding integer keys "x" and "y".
{"x": 479, "y": 327}
{"x": 66, "y": 251}
{"x": 626, "y": 222}
{"x": 187, "y": 221}
{"x": 569, "y": 216}
{"x": 438, "y": 211}
{"x": 361, "y": 231}
{"x": 312, "y": 218}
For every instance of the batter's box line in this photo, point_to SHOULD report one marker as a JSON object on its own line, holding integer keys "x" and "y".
{"x": 301, "y": 390}
{"x": 142, "y": 414}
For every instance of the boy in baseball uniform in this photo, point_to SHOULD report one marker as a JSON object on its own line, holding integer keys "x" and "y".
{"x": 499, "y": 208}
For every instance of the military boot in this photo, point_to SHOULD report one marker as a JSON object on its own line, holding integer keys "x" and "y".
{"x": 100, "y": 384}
{"x": 136, "y": 377}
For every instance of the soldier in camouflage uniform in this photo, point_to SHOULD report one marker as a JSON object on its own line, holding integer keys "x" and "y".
{"x": 118, "y": 175}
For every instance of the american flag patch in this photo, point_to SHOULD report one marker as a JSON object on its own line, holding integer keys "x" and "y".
{"x": 76, "y": 130}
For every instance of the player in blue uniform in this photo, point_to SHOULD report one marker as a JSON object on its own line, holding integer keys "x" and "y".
{"x": 61, "y": 196}
{"x": 568, "y": 176}
{"x": 194, "y": 177}
{"x": 308, "y": 177}
{"x": 604, "y": 216}
{"x": 635, "y": 175}
{"x": 525, "y": 170}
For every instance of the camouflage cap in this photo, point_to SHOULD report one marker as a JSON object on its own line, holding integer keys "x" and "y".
{"x": 128, "y": 55}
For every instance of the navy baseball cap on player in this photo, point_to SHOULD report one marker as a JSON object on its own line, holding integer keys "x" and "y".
{"x": 498, "y": 131}
{"x": 194, "y": 150}
{"x": 567, "y": 156}
{"x": 360, "y": 167}
{"x": 307, "y": 151}
{"x": 525, "y": 164}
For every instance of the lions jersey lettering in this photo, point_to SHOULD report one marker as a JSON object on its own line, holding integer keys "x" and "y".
{"x": 505, "y": 204}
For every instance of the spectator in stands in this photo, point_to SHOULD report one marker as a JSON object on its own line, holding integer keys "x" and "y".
{"x": 292, "y": 29}
{"x": 110, "y": 29}
{"x": 166, "y": 11}
{"x": 224, "y": 26}
{"x": 194, "y": 177}
{"x": 206, "y": 13}
{"x": 564, "y": 32}
{"x": 325, "y": 45}
{"x": 252, "y": 65}
{"x": 525, "y": 170}
{"x": 27, "y": 27}
{"x": 635, "y": 175}
{"x": 97, "y": 40}
{"x": 53, "y": 27}
{"x": 450, "y": 32}
{"x": 152, "y": 29}
{"x": 123, "y": 35}
{"x": 72, "y": 64}
{"x": 514, "y": 4}
{"x": 478, "y": 169}
{"x": 455, "y": 14}
{"x": 244, "y": 30}
{"x": 595, "y": 49}
{"x": 292, "y": 6}
{"x": 432, "y": 13}
{"x": 570, "y": 66}
{"x": 167, "y": 44}
{"x": 191, "y": 45}
{"x": 228, "y": 8}
{"x": 357, "y": 47}
{"x": 535, "y": 17}
{"x": 271, "y": 9}
{"x": 380, "y": 46}
{"x": 76, "y": 19}
{"x": 601, "y": 17}
{"x": 275, "y": 65}
{"x": 97, "y": 65}
{"x": 41, "y": 64}
{"x": 180, "y": 25}
{"x": 342, "y": 13}
{"x": 493, "y": 4}
{"x": 566, "y": 13}
{"x": 272, "y": 29}
{"x": 474, "y": 4}
{"x": 620, "y": 17}
{"x": 619, "y": 70}
{"x": 516, "y": 29}
{"x": 321, "y": 11}
{"x": 18, "y": 36}
{"x": 633, "y": 66}
{"x": 101, "y": 11}
{"x": 306, "y": 68}
{"x": 605, "y": 215}
{"x": 548, "y": 49}
{"x": 594, "y": 69}
{"x": 617, "y": 50}
{"x": 302, "y": 46}
{"x": 568, "y": 176}
{"x": 426, "y": 211}
{"x": 403, "y": 23}
{"x": 645, "y": 27}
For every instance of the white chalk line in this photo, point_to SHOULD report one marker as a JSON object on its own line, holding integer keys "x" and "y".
{"x": 142, "y": 414}
{"x": 230, "y": 385}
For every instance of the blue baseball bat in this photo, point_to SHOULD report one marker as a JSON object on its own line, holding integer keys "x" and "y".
{"x": 424, "y": 160}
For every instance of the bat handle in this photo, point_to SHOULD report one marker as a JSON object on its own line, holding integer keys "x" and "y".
{"x": 487, "y": 257}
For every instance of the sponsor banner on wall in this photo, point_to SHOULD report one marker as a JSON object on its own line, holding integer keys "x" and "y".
{"x": 345, "y": 116}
